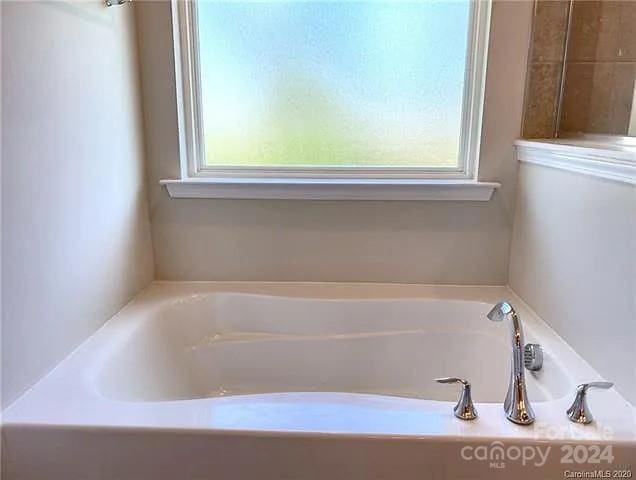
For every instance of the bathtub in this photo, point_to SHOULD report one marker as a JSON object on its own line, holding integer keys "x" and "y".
{"x": 291, "y": 380}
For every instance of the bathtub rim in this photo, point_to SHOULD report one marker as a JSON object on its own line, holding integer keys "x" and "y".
{"x": 25, "y": 410}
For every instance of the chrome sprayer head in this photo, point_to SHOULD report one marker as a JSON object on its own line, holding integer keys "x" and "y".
{"x": 500, "y": 311}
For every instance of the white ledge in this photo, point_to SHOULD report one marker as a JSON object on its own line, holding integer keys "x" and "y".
{"x": 330, "y": 189}
{"x": 604, "y": 160}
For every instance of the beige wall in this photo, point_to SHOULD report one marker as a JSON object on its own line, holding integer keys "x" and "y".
{"x": 75, "y": 232}
{"x": 428, "y": 242}
{"x": 572, "y": 261}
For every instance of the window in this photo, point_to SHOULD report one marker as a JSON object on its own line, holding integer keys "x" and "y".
{"x": 340, "y": 88}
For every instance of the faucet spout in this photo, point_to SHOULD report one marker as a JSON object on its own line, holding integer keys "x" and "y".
{"x": 516, "y": 404}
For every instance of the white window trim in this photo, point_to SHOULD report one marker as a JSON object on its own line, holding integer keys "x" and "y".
{"x": 400, "y": 183}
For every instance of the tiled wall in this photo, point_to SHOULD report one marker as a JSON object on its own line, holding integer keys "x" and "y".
{"x": 545, "y": 66}
{"x": 600, "y": 68}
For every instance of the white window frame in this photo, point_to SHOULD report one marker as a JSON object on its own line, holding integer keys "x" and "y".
{"x": 325, "y": 182}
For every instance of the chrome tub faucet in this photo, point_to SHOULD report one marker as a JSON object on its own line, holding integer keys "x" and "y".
{"x": 516, "y": 405}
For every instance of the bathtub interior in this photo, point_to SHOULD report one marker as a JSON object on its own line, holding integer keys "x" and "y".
{"x": 221, "y": 344}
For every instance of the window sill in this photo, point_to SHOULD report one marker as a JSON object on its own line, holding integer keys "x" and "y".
{"x": 330, "y": 189}
{"x": 608, "y": 160}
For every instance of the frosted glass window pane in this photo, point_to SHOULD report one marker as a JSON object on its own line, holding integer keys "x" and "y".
{"x": 332, "y": 83}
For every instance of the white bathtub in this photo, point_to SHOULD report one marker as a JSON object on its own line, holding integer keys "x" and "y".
{"x": 270, "y": 363}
